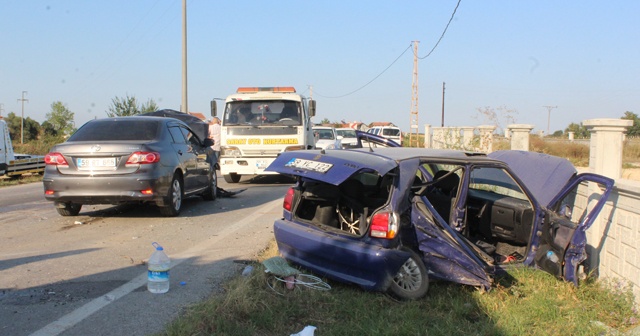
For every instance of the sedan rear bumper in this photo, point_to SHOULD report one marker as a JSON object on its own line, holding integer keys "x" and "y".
{"x": 337, "y": 257}
{"x": 105, "y": 189}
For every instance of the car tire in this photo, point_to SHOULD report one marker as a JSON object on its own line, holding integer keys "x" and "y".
{"x": 212, "y": 192}
{"x": 232, "y": 178}
{"x": 411, "y": 282}
{"x": 173, "y": 202}
{"x": 68, "y": 209}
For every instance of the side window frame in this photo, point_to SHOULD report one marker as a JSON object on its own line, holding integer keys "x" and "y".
{"x": 177, "y": 135}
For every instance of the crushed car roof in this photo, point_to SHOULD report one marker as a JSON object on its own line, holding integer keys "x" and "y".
{"x": 544, "y": 175}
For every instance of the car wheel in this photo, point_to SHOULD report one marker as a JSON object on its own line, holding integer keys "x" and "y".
{"x": 173, "y": 203}
{"x": 412, "y": 281}
{"x": 212, "y": 192}
{"x": 68, "y": 209}
{"x": 232, "y": 178}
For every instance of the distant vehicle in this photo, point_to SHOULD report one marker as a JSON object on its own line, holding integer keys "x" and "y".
{"x": 326, "y": 138}
{"x": 349, "y": 138}
{"x": 391, "y": 219}
{"x": 13, "y": 164}
{"x": 259, "y": 123}
{"x": 370, "y": 140}
{"x": 390, "y": 132}
{"x": 119, "y": 160}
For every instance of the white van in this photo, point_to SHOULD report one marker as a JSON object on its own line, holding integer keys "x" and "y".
{"x": 390, "y": 132}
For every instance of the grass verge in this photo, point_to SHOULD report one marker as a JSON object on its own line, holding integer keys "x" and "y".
{"x": 24, "y": 179}
{"x": 525, "y": 301}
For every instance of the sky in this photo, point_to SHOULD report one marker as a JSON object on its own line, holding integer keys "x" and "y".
{"x": 545, "y": 63}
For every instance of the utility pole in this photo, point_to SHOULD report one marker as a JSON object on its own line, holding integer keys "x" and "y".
{"x": 22, "y": 118}
{"x": 549, "y": 108}
{"x": 442, "y": 124}
{"x": 184, "y": 106}
{"x": 413, "y": 132}
{"x": 1, "y": 109}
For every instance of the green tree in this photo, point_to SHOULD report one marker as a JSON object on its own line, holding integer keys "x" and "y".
{"x": 579, "y": 131}
{"x": 634, "y": 130}
{"x": 31, "y": 128}
{"x": 59, "y": 121}
{"x": 128, "y": 106}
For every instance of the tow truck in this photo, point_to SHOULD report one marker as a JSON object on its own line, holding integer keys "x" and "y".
{"x": 14, "y": 165}
{"x": 259, "y": 123}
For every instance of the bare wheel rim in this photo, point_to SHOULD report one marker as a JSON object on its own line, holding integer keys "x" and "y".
{"x": 176, "y": 195}
{"x": 409, "y": 277}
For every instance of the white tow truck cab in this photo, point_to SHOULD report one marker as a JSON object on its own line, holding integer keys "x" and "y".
{"x": 259, "y": 123}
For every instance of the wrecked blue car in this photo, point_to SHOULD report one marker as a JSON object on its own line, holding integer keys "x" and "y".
{"x": 391, "y": 219}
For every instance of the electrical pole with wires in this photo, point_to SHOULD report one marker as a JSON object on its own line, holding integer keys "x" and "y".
{"x": 413, "y": 132}
{"x": 549, "y": 108}
{"x": 22, "y": 118}
{"x": 184, "y": 107}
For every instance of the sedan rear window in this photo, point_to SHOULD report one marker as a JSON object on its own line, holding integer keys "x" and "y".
{"x": 111, "y": 129}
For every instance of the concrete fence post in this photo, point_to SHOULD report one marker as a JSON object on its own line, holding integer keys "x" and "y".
{"x": 427, "y": 136}
{"x": 486, "y": 138}
{"x": 520, "y": 136}
{"x": 605, "y": 150}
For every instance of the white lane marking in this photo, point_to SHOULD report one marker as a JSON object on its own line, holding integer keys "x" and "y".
{"x": 68, "y": 321}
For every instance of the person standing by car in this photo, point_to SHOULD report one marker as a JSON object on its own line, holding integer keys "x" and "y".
{"x": 214, "y": 134}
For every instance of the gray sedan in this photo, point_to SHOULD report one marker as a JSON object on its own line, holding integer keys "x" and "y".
{"x": 129, "y": 159}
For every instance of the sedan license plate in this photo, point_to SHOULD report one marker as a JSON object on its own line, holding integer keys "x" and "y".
{"x": 96, "y": 163}
{"x": 320, "y": 167}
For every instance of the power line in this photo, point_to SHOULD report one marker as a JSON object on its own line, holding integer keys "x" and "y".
{"x": 371, "y": 81}
{"x": 443, "y": 32}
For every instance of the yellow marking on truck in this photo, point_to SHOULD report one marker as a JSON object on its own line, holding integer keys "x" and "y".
{"x": 283, "y": 141}
{"x": 236, "y": 141}
{"x": 254, "y": 141}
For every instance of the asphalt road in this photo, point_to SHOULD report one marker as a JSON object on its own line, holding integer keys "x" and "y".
{"x": 86, "y": 275}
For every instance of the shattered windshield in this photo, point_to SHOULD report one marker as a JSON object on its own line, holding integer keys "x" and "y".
{"x": 266, "y": 112}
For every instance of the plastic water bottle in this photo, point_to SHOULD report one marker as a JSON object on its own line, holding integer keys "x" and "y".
{"x": 552, "y": 256}
{"x": 158, "y": 274}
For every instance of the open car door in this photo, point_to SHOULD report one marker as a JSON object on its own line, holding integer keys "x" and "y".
{"x": 448, "y": 255}
{"x": 562, "y": 242}
{"x": 561, "y": 239}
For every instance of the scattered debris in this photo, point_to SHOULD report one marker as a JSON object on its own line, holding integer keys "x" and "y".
{"x": 226, "y": 193}
{"x": 307, "y": 331}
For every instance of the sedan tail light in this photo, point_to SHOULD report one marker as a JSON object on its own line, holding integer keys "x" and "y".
{"x": 288, "y": 200}
{"x": 384, "y": 224}
{"x": 143, "y": 158}
{"x": 55, "y": 159}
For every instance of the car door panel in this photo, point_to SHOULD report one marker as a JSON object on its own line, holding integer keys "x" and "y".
{"x": 447, "y": 254}
{"x": 563, "y": 240}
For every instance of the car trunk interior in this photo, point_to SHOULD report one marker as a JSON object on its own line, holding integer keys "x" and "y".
{"x": 346, "y": 207}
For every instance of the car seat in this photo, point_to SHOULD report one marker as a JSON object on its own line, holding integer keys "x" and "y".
{"x": 443, "y": 192}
